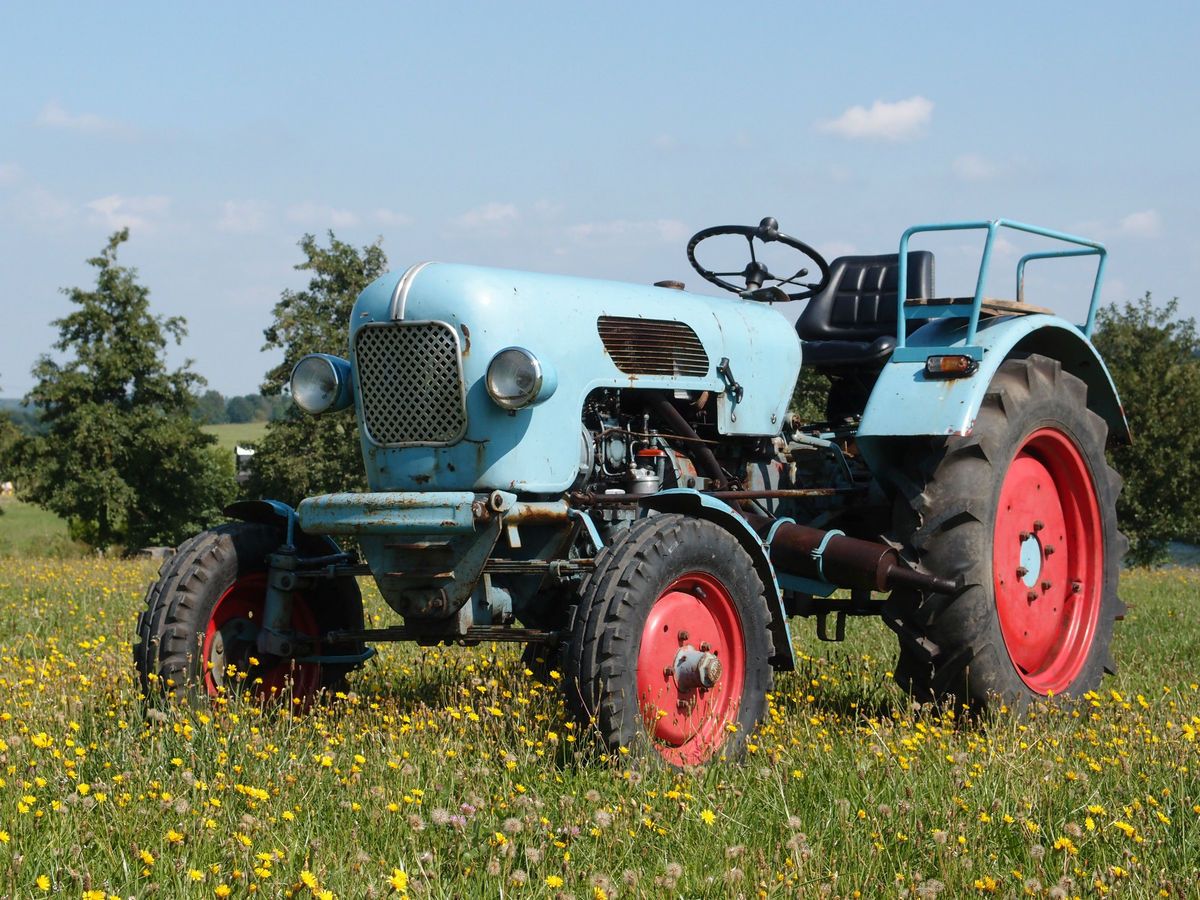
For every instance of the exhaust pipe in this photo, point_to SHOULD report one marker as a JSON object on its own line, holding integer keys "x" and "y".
{"x": 845, "y": 561}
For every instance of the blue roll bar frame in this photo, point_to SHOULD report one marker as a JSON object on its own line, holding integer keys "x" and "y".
{"x": 971, "y": 311}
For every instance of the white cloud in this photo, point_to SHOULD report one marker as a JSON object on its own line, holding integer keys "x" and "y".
{"x": 1146, "y": 223}
{"x": 9, "y": 173}
{"x": 666, "y": 230}
{"x": 489, "y": 216}
{"x": 53, "y": 115}
{"x": 1003, "y": 248}
{"x": 392, "y": 218}
{"x": 897, "y": 121}
{"x": 313, "y": 214}
{"x": 242, "y": 217}
{"x": 137, "y": 213}
{"x": 973, "y": 167}
{"x": 547, "y": 209}
{"x": 38, "y": 205}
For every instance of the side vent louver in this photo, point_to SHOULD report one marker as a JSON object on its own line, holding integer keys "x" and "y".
{"x": 653, "y": 346}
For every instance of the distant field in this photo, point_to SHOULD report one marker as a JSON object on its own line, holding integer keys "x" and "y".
{"x": 28, "y": 530}
{"x": 229, "y": 436}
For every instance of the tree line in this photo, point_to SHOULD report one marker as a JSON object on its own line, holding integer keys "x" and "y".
{"x": 120, "y": 454}
{"x": 213, "y": 408}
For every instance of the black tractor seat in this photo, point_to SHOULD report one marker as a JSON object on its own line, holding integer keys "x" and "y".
{"x": 851, "y": 324}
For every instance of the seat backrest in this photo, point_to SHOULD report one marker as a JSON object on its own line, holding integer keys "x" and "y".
{"x": 859, "y": 303}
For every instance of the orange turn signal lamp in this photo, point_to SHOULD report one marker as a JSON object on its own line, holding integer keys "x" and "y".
{"x": 951, "y": 366}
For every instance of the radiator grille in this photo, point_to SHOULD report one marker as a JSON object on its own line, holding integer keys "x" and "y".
{"x": 410, "y": 382}
{"x": 652, "y": 346}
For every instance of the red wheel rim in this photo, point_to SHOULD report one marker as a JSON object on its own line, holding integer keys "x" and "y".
{"x": 688, "y": 723}
{"x": 1048, "y": 561}
{"x": 229, "y": 637}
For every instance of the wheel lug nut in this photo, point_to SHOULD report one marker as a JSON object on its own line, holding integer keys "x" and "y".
{"x": 1023, "y": 535}
{"x": 1038, "y": 525}
{"x": 668, "y": 671}
{"x": 1022, "y": 571}
{"x": 1076, "y": 587}
{"x": 1031, "y": 596}
{"x": 1049, "y": 550}
{"x": 705, "y": 646}
{"x": 1046, "y": 585}
{"x": 683, "y": 636}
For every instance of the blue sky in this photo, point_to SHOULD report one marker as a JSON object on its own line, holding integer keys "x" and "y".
{"x": 569, "y": 138}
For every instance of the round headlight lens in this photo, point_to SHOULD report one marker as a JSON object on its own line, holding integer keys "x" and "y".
{"x": 315, "y": 384}
{"x": 514, "y": 377}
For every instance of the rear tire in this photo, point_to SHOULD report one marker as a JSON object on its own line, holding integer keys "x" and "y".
{"x": 201, "y": 616}
{"x": 1022, "y": 512}
{"x": 668, "y": 584}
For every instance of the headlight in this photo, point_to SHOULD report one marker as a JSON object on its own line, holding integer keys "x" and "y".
{"x": 516, "y": 378}
{"x": 321, "y": 382}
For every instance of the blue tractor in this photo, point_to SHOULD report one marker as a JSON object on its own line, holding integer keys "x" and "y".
{"x": 610, "y": 474}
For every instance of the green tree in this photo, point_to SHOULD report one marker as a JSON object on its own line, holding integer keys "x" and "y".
{"x": 809, "y": 395}
{"x": 210, "y": 409}
{"x": 240, "y": 410}
{"x": 301, "y": 455}
{"x": 122, "y": 458}
{"x": 1152, "y": 356}
{"x": 10, "y": 440}
{"x": 10, "y": 445}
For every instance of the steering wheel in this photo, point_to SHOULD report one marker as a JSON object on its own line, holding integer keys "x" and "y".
{"x": 755, "y": 273}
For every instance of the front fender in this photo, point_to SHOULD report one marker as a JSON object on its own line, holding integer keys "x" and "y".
{"x": 905, "y": 403}
{"x": 276, "y": 512}
{"x": 701, "y": 506}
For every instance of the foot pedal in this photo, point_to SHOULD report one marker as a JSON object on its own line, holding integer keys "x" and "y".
{"x": 839, "y": 627}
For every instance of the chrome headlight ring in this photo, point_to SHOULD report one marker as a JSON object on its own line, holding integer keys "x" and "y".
{"x": 320, "y": 383}
{"x": 516, "y": 378}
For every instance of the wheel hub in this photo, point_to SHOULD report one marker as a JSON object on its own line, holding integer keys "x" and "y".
{"x": 1031, "y": 560}
{"x": 696, "y": 670}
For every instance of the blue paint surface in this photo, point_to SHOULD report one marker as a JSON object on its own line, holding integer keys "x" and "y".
{"x": 537, "y": 449}
{"x": 905, "y": 402}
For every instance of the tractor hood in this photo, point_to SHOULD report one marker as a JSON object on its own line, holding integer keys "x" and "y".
{"x": 421, "y": 342}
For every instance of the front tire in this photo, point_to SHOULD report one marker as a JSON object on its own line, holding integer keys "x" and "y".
{"x": 201, "y": 621}
{"x": 670, "y": 643}
{"x": 1022, "y": 512}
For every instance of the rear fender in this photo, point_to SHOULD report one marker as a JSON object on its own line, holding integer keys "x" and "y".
{"x": 905, "y": 403}
{"x": 701, "y": 506}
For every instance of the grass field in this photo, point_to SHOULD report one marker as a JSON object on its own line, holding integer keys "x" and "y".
{"x": 450, "y": 773}
{"x": 230, "y": 435}
{"x": 27, "y": 530}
